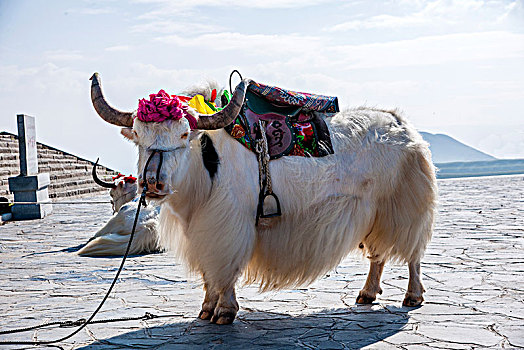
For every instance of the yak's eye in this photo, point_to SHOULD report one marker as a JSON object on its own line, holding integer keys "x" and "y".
{"x": 184, "y": 136}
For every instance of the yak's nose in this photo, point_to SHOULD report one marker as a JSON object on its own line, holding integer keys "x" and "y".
{"x": 153, "y": 185}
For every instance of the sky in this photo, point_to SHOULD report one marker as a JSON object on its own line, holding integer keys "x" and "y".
{"x": 453, "y": 67}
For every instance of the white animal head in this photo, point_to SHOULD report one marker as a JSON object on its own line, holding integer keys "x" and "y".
{"x": 122, "y": 190}
{"x": 164, "y": 145}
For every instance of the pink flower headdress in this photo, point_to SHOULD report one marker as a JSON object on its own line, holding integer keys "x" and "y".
{"x": 161, "y": 106}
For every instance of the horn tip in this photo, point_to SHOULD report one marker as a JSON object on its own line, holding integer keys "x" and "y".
{"x": 95, "y": 77}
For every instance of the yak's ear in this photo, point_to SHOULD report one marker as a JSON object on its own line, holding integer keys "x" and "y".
{"x": 194, "y": 134}
{"x": 129, "y": 134}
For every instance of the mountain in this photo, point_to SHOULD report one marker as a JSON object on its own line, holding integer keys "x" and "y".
{"x": 446, "y": 149}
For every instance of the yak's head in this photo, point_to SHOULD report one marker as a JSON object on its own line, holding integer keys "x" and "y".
{"x": 163, "y": 139}
{"x": 122, "y": 190}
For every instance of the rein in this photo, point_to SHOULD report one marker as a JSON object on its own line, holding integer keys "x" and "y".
{"x": 83, "y": 323}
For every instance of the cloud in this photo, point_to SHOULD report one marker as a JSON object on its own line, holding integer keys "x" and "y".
{"x": 379, "y": 21}
{"x": 45, "y": 79}
{"x": 58, "y": 97}
{"x": 514, "y": 12}
{"x": 118, "y": 48}
{"x": 431, "y": 50}
{"x": 478, "y": 14}
{"x": 260, "y": 4}
{"x": 259, "y": 44}
{"x": 92, "y": 10}
{"x": 507, "y": 144}
{"x": 63, "y": 55}
{"x": 197, "y": 9}
{"x": 171, "y": 26}
{"x": 285, "y": 55}
{"x": 501, "y": 90}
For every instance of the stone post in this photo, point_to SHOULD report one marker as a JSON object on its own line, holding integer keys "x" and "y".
{"x": 29, "y": 186}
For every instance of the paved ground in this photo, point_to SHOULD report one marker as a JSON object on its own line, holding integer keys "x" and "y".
{"x": 473, "y": 273}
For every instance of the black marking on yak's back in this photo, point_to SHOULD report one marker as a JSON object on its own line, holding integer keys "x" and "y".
{"x": 209, "y": 155}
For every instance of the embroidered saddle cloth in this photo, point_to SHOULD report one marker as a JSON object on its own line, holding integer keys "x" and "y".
{"x": 295, "y": 123}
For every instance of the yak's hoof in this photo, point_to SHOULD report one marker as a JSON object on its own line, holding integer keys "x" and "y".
{"x": 205, "y": 315}
{"x": 365, "y": 299}
{"x": 224, "y": 318}
{"x": 412, "y": 301}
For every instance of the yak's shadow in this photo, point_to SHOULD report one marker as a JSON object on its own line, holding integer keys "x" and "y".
{"x": 353, "y": 328}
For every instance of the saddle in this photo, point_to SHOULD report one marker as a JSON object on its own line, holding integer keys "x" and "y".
{"x": 275, "y": 122}
{"x": 294, "y": 121}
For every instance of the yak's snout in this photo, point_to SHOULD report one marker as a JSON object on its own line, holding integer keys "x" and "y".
{"x": 153, "y": 179}
{"x": 152, "y": 185}
{"x": 154, "y": 188}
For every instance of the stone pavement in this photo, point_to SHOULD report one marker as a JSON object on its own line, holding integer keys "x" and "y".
{"x": 473, "y": 271}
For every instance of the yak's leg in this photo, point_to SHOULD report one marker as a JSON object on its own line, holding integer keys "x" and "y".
{"x": 415, "y": 288}
{"x": 227, "y": 307}
{"x": 368, "y": 294}
{"x": 222, "y": 261}
{"x": 209, "y": 304}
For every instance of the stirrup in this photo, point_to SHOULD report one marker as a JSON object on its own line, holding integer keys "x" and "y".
{"x": 260, "y": 208}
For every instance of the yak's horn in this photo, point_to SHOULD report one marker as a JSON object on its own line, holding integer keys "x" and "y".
{"x": 229, "y": 113}
{"x": 100, "y": 182}
{"x": 104, "y": 110}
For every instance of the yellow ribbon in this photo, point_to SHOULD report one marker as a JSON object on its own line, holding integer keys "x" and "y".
{"x": 198, "y": 103}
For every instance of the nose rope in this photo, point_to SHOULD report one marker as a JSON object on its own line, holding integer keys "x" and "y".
{"x": 161, "y": 155}
{"x": 147, "y": 164}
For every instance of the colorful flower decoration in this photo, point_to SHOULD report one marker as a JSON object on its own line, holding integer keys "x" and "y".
{"x": 118, "y": 176}
{"x": 161, "y": 107}
{"x": 130, "y": 178}
{"x": 238, "y": 131}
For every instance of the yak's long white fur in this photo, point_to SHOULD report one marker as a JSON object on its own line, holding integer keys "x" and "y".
{"x": 378, "y": 188}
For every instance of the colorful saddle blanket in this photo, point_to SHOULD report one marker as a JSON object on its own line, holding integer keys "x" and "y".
{"x": 292, "y": 127}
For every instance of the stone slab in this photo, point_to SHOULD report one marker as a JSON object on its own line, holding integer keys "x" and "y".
{"x": 32, "y": 188}
{"x": 27, "y": 145}
{"x": 31, "y": 211}
{"x": 29, "y": 183}
{"x": 41, "y": 195}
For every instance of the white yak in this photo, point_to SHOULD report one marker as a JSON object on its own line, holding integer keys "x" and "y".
{"x": 376, "y": 194}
